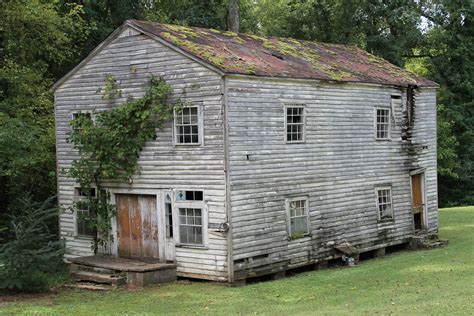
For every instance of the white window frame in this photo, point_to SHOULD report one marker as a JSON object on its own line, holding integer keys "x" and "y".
{"x": 389, "y": 123}
{"x": 78, "y": 198}
{"x": 200, "y": 127}
{"x": 303, "y": 124}
{"x": 204, "y": 220}
{"x": 380, "y": 188}
{"x": 289, "y": 217}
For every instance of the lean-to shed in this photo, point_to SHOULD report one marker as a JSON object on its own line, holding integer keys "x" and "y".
{"x": 290, "y": 153}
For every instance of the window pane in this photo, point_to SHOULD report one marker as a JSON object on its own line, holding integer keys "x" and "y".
{"x": 183, "y": 234}
{"x": 298, "y": 225}
{"x": 198, "y": 235}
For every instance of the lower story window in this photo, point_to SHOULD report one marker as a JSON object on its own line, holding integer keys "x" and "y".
{"x": 384, "y": 203}
{"x": 190, "y": 226}
{"x": 83, "y": 228}
{"x": 298, "y": 217}
{"x": 82, "y": 211}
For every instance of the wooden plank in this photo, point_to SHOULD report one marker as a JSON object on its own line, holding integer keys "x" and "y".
{"x": 136, "y": 234}
{"x": 123, "y": 226}
{"x": 147, "y": 204}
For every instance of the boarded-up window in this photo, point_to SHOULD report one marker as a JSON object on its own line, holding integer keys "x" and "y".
{"x": 298, "y": 217}
{"x": 294, "y": 124}
{"x": 186, "y": 123}
{"x": 82, "y": 213}
{"x": 384, "y": 203}
{"x": 190, "y": 226}
{"x": 382, "y": 123}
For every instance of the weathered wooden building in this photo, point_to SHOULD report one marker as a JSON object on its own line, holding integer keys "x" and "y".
{"x": 288, "y": 150}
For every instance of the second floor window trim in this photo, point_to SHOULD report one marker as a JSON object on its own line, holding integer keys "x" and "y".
{"x": 188, "y": 126}
{"x": 295, "y": 124}
{"x": 382, "y": 123}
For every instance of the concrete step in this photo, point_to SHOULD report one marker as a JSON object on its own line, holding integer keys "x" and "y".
{"x": 100, "y": 278}
{"x": 427, "y": 241}
{"x": 79, "y": 267}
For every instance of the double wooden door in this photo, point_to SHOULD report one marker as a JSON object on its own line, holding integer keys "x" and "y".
{"x": 137, "y": 226}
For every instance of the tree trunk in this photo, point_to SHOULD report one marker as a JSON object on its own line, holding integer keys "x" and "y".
{"x": 233, "y": 18}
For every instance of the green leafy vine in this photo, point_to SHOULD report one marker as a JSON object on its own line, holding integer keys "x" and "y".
{"x": 109, "y": 145}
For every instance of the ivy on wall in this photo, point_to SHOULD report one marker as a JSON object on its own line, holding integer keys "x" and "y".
{"x": 109, "y": 145}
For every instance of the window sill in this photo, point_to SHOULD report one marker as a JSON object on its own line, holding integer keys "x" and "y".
{"x": 186, "y": 145}
{"x": 84, "y": 237}
{"x": 299, "y": 142}
{"x": 192, "y": 246}
{"x": 390, "y": 221}
{"x": 307, "y": 236}
{"x": 383, "y": 139}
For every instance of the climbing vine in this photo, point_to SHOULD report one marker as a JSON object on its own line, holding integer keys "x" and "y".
{"x": 109, "y": 144}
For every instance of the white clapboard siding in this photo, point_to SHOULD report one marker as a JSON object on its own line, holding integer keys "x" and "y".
{"x": 337, "y": 168}
{"x": 132, "y": 58}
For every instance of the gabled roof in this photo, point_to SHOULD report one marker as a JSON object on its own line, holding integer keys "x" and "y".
{"x": 245, "y": 54}
{"x": 237, "y": 53}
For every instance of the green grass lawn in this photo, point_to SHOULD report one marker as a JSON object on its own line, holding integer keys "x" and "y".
{"x": 431, "y": 282}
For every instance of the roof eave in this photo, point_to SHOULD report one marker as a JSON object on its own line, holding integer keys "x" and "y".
{"x": 430, "y": 84}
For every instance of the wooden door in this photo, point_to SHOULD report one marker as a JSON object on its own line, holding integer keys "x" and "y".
{"x": 137, "y": 226}
{"x": 418, "y": 203}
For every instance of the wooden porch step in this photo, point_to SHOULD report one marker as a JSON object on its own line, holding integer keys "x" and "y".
{"x": 100, "y": 278}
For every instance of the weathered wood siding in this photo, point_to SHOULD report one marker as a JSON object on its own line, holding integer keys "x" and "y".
{"x": 337, "y": 168}
{"x": 424, "y": 139}
{"x": 131, "y": 58}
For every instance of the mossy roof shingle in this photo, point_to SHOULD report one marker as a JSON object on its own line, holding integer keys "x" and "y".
{"x": 237, "y": 53}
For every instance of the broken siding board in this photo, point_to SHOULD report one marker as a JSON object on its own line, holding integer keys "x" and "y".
{"x": 339, "y": 153}
{"x": 131, "y": 60}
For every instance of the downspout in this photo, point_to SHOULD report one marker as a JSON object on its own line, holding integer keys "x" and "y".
{"x": 230, "y": 255}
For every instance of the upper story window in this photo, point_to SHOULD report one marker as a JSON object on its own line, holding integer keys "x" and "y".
{"x": 186, "y": 124}
{"x": 295, "y": 125}
{"x": 298, "y": 215}
{"x": 76, "y": 115}
{"x": 384, "y": 203}
{"x": 382, "y": 124}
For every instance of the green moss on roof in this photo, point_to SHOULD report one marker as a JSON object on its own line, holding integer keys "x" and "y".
{"x": 282, "y": 57}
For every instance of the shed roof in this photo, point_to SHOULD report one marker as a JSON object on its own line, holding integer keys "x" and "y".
{"x": 238, "y": 53}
